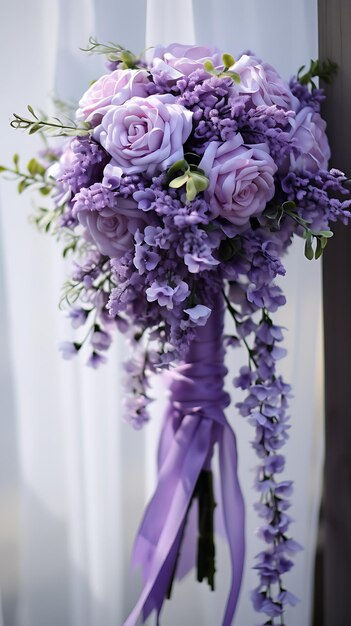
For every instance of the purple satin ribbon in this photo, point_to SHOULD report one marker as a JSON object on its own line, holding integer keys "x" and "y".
{"x": 194, "y": 422}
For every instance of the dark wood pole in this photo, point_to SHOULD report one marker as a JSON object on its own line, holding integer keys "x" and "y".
{"x": 335, "y": 43}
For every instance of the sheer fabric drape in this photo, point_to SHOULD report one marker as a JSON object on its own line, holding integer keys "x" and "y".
{"x": 82, "y": 475}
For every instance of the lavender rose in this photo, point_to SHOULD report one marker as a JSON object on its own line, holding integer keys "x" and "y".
{"x": 109, "y": 219}
{"x": 309, "y": 137}
{"x": 145, "y": 135}
{"x": 263, "y": 83}
{"x": 241, "y": 179}
{"x": 114, "y": 88}
{"x": 177, "y": 60}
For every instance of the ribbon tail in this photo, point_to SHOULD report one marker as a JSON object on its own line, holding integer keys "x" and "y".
{"x": 160, "y": 532}
{"x": 233, "y": 515}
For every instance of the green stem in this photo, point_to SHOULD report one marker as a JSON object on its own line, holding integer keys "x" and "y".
{"x": 233, "y": 314}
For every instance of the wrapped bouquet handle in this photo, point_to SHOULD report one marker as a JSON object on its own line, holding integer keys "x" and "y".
{"x": 181, "y": 185}
{"x": 194, "y": 423}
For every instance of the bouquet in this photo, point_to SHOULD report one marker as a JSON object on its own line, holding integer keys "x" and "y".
{"x": 177, "y": 188}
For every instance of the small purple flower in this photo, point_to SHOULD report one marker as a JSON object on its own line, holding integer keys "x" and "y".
{"x": 100, "y": 340}
{"x": 145, "y": 259}
{"x": 78, "y": 317}
{"x": 112, "y": 175}
{"x": 69, "y": 349}
{"x": 166, "y": 295}
{"x": 95, "y": 360}
{"x": 199, "y": 314}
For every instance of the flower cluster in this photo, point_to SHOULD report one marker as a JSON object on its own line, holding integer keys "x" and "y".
{"x": 189, "y": 174}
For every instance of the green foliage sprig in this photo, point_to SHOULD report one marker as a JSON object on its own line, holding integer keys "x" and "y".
{"x": 51, "y": 125}
{"x": 228, "y": 62}
{"x": 194, "y": 178}
{"x": 35, "y": 175}
{"x": 325, "y": 70}
{"x": 113, "y": 52}
{"x": 316, "y": 241}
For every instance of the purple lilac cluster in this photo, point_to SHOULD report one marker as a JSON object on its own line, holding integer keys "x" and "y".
{"x": 194, "y": 176}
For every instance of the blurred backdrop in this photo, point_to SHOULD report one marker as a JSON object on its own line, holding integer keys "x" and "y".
{"x": 74, "y": 478}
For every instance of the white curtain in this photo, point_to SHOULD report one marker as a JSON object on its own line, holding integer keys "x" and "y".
{"x": 75, "y": 477}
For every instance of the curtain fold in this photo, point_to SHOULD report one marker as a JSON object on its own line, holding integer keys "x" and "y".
{"x": 84, "y": 475}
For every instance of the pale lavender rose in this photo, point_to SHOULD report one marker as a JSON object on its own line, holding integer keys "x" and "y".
{"x": 114, "y": 88}
{"x": 145, "y": 135}
{"x": 262, "y": 83}
{"x": 241, "y": 179}
{"x": 111, "y": 227}
{"x": 177, "y": 60}
{"x": 309, "y": 137}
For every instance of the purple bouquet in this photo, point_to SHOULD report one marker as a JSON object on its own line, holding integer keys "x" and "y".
{"x": 178, "y": 189}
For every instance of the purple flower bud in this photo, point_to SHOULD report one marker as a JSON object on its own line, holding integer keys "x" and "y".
{"x": 69, "y": 349}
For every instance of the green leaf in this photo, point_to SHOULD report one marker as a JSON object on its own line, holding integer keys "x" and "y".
{"x": 31, "y": 110}
{"x": 201, "y": 181}
{"x": 15, "y": 159}
{"x": 34, "y": 129}
{"x": 181, "y": 165}
{"x": 228, "y": 60}
{"x": 3, "y": 169}
{"x": 45, "y": 190}
{"x": 288, "y": 205}
{"x": 236, "y": 77}
{"x": 179, "y": 181}
{"x": 190, "y": 190}
{"x": 309, "y": 254}
{"x": 208, "y": 65}
{"x": 32, "y": 167}
{"x": 326, "y": 233}
{"x": 319, "y": 250}
{"x": 22, "y": 185}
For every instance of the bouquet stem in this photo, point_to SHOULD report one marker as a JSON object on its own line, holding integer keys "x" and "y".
{"x": 194, "y": 424}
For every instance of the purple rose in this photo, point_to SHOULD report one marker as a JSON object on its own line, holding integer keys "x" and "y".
{"x": 109, "y": 226}
{"x": 177, "y": 60}
{"x": 145, "y": 134}
{"x": 115, "y": 88}
{"x": 241, "y": 179}
{"x": 308, "y": 133}
{"x": 263, "y": 83}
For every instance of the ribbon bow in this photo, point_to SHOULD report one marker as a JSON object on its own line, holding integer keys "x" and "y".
{"x": 194, "y": 423}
